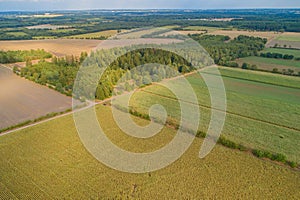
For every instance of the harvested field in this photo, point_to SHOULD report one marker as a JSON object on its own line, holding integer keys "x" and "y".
{"x": 49, "y": 161}
{"x": 58, "y": 47}
{"x": 288, "y": 40}
{"x": 23, "y": 100}
{"x": 235, "y": 33}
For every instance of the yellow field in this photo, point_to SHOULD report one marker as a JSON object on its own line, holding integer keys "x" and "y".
{"x": 49, "y": 161}
{"x": 108, "y": 33}
{"x": 135, "y": 33}
{"x": 58, "y": 47}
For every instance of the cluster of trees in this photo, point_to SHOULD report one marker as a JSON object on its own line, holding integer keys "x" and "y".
{"x": 277, "y": 55}
{"x": 288, "y": 72}
{"x": 22, "y": 56}
{"x": 125, "y": 72}
{"x": 224, "y": 51}
{"x": 59, "y": 74}
{"x": 249, "y": 66}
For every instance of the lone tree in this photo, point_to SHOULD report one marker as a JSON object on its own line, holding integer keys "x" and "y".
{"x": 245, "y": 66}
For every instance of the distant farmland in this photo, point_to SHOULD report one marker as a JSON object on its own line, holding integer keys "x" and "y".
{"x": 235, "y": 33}
{"x": 47, "y": 26}
{"x": 58, "y": 47}
{"x": 201, "y": 28}
{"x": 95, "y": 35}
{"x": 23, "y": 100}
{"x": 49, "y": 161}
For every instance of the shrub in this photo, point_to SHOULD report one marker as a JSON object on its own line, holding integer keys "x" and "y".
{"x": 201, "y": 134}
{"x": 265, "y": 154}
{"x": 279, "y": 157}
{"x": 258, "y": 153}
{"x": 253, "y": 67}
{"x": 227, "y": 143}
{"x": 292, "y": 164}
{"x": 245, "y": 66}
{"x": 231, "y": 64}
{"x": 275, "y": 70}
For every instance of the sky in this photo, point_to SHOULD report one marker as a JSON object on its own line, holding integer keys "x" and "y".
{"x": 34, "y": 5}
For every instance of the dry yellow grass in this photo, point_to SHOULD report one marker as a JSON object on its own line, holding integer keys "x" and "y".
{"x": 49, "y": 161}
{"x": 58, "y": 47}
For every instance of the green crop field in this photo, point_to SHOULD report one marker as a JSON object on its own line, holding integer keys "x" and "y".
{"x": 256, "y": 76}
{"x": 273, "y": 61}
{"x": 261, "y": 112}
{"x": 294, "y": 52}
{"x": 16, "y": 33}
{"x": 291, "y": 38}
{"x": 49, "y": 161}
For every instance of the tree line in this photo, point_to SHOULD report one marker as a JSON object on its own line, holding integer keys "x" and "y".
{"x": 224, "y": 51}
{"x": 60, "y": 74}
{"x": 278, "y": 56}
{"x": 22, "y": 56}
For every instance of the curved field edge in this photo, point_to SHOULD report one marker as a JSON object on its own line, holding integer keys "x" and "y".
{"x": 49, "y": 161}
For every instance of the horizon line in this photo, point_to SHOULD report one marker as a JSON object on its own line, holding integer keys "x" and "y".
{"x": 132, "y": 9}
